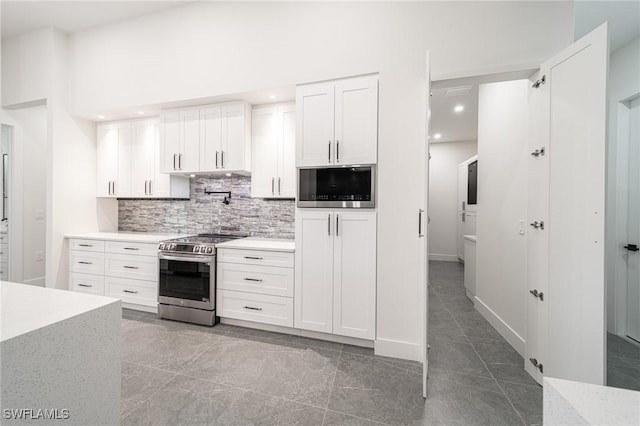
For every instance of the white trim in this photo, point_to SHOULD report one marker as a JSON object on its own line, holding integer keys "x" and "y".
{"x": 143, "y": 308}
{"x": 397, "y": 349}
{"x": 502, "y": 327}
{"x": 38, "y": 282}
{"x": 298, "y": 332}
{"x": 444, "y": 257}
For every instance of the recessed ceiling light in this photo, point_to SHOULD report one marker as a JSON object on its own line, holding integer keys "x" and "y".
{"x": 272, "y": 96}
{"x": 141, "y": 112}
{"x": 437, "y": 135}
{"x": 458, "y": 108}
{"x": 192, "y": 175}
{"x": 228, "y": 174}
{"x": 101, "y": 116}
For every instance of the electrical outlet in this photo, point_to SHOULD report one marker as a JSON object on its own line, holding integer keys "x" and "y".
{"x": 521, "y": 227}
{"x": 39, "y": 255}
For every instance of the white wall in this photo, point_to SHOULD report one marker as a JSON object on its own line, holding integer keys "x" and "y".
{"x": 443, "y": 196}
{"x": 207, "y": 48}
{"x": 502, "y": 202}
{"x": 624, "y": 82}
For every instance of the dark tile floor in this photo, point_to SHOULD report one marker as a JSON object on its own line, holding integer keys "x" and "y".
{"x": 174, "y": 373}
{"x": 623, "y": 363}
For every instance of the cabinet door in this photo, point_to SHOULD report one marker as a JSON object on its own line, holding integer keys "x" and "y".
{"x": 125, "y": 153}
{"x": 264, "y": 140}
{"x": 356, "y": 120}
{"x": 107, "y": 157}
{"x": 189, "y": 154}
{"x": 354, "y": 274}
{"x": 169, "y": 141}
{"x": 210, "y": 138}
{"x": 314, "y": 271}
{"x": 143, "y": 153}
{"x": 232, "y": 153}
{"x": 286, "y": 182}
{"x": 315, "y": 120}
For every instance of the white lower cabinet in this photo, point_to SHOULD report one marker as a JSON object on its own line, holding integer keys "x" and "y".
{"x": 124, "y": 270}
{"x": 335, "y": 284}
{"x": 255, "y": 285}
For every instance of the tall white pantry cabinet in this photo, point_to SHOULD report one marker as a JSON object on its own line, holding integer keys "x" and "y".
{"x": 335, "y": 257}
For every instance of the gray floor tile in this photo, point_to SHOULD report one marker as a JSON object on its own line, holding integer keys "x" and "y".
{"x": 457, "y": 356}
{"x": 484, "y": 383}
{"x": 138, "y": 384}
{"x": 623, "y": 373}
{"x": 283, "y": 337}
{"x": 368, "y": 387}
{"x": 298, "y": 373}
{"x": 333, "y": 418}
{"x": 622, "y": 347}
{"x": 494, "y": 351}
{"x": 511, "y": 373}
{"x": 527, "y": 400}
{"x": 186, "y": 400}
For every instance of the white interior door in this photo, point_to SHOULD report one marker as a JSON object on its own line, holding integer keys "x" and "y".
{"x": 424, "y": 225}
{"x": 633, "y": 241}
{"x": 572, "y": 129}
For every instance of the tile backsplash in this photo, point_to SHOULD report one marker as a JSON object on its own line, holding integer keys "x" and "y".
{"x": 206, "y": 213}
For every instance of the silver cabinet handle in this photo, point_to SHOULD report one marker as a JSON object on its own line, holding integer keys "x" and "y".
{"x": 131, "y": 248}
{"x": 273, "y": 191}
{"x": 253, "y": 279}
{"x": 464, "y": 216}
{"x": 464, "y": 205}
{"x": 329, "y": 151}
{"x": 329, "y": 224}
{"x": 278, "y": 186}
{"x": 216, "y": 159}
{"x": 252, "y": 308}
{"x": 174, "y": 161}
{"x": 253, "y": 257}
{"x": 179, "y": 161}
{"x": 130, "y": 267}
{"x": 420, "y": 234}
{"x": 130, "y": 291}
{"x": 150, "y": 190}
{"x": 222, "y": 159}
{"x": 85, "y": 245}
{"x": 337, "y": 150}
{"x": 114, "y": 187}
{"x": 146, "y": 184}
{"x": 82, "y": 262}
{"x": 85, "y": 285}
{"x": 337, "y": 226}
{"x": 109, "y": 191}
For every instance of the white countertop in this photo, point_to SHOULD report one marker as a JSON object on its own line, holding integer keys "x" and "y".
{"x": 470, "y": 238}
{"x": 254, "y": 243}
{"x": 130, "y": 237}
{"x": 25, "y": 308}
{"x": 573, "y": 403}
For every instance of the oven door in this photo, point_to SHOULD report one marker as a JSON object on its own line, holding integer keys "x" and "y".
{"x": 187, "y": 281}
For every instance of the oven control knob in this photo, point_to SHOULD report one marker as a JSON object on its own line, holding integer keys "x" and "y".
{"x": 172, "y": 247}
{"x": 160, "y": 246}
{"x": 209, "y": 249}
{"x": 196, "y": 249}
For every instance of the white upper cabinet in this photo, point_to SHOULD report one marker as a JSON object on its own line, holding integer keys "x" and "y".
{"x": 209, "y": 139}
{"x": 337, "y": 122}
{"x": 129, "y": 160}
{"x": 273, "y": 149}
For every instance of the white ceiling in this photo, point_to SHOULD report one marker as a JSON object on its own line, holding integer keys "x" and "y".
{"x": 21, "y": 16}
{"x": 454, "y": 126}
{"x": 623, "y": 18}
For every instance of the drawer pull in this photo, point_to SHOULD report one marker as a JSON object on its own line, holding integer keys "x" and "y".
{"x": 253, "y": 257}
{"x": 131, "y": 248}
{"x": 130, "y": 291}
{"x": 85, "y": 285}
{"x": 82, "y": 262}
{"x": 85, "y": 245}
{"x": 130, "y": 267}
{"x": 252, "y": 308}
{"x": 253, "y": 279}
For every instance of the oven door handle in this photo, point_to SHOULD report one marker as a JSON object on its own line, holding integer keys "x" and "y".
{"x": 186, "y": 258}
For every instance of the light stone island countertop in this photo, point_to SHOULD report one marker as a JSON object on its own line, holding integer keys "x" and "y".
{"x": 254, "y": 243}
{"x": 129, "y": 237}
{"x": 573, "y": 403}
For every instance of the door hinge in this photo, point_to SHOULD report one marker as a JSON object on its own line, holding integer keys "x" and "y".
{"x": 537, "y": 365}
{"x": 538, "y": 224}
{"x": 540, "y": 82}
{"x": 537, "y": 294}
{"x": 538, "y": 152}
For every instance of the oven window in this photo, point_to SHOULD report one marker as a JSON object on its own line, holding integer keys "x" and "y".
{"x": 335, "y": 184}
{"x": 185, "y": 280}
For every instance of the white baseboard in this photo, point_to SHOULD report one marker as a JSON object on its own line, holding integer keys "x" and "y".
{"x": 396, "y": 349}
{"x": 39, "y": 282}
{"x": 444, "y": 257}
{"x": 143, "y": 308}
{"x": 503, "y": 328}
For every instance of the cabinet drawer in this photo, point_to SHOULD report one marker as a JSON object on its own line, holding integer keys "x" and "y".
{"x": 256, "y": 279}
{"x": 86, "y": 283}
{"x": 132, "y": 291}
{"x": 256, "y": 257}
{"x": 86, "y": 245}
{"x": 86, "y": 262}
{"x": 133, "y": 267}
{"x": 140, "y": 249}
{"x": 274, "y": 310}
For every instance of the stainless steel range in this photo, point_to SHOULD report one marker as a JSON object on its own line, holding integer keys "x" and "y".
{"x": 187, "y": 280}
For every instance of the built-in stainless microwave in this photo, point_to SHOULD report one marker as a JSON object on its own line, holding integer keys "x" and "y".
{"x": 337, "y": 187}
